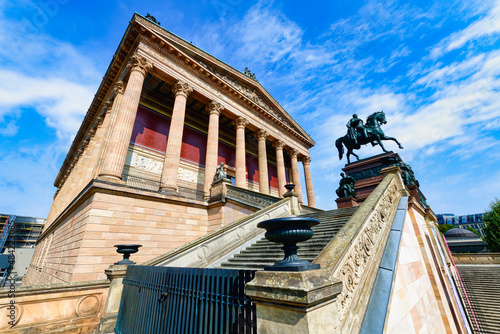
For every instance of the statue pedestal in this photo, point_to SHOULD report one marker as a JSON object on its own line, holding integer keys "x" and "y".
{"x": 346, "y": 202}
{"x": 367, "y": 173}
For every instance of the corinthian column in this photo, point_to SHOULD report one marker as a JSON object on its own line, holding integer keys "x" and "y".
{"x": 241, "y": 178}
{"x": 214, "y": 110}
{"x": 263, "y": 177}
{"x": 173, "y": 153}
{"x": 295, "y": 171}
{"x": 306, "y": 162}
{"x": 126, "y": 108}
{"x": 280, "y": 163}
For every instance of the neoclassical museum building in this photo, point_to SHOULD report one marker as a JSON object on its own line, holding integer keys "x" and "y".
{"x": 141, "y": 167}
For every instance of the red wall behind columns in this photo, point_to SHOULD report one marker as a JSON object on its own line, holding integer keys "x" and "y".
{"x": 151, "y": 131}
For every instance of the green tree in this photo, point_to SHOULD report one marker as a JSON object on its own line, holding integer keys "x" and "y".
{"x": 473, "y": 230}
{"x": 445, "y": 228}
{"x": 492, "y": 227}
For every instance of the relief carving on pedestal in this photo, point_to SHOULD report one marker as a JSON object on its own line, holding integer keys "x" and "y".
{"x": 356, "y": 260}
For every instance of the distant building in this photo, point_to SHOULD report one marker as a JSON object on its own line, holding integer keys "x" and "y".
{"x": 475, "y": 221}
{"x": 18, "y": 235}
{"x": 461, "y": 240}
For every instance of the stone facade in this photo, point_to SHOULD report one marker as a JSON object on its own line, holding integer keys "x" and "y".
{"x": 141, "y": 166}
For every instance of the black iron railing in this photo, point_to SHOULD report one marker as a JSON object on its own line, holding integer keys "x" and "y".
{"x": 185, "y": 300}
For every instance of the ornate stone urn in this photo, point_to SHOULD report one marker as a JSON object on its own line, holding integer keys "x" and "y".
{"x": 126, "y": 250}
{"x": 289, "y": 231}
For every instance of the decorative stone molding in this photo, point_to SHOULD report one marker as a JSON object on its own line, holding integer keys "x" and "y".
{"x": 214, "y": 108}
{"x": 138, "y": 63}
{"x": 148, "y": 164}
{"x": 293, "y": 152}
{"x": 360, "y": 253}
{"x": 240, "y": 122}
{"x": 278, "y": 144}
{"x": 182, "y": 88}
{"x": 249, "y": 197}
{"x": 261, "y": 134}
{"x": 306, "y": 160}
{"x": 119, "y": 87}
{"x": 189, "y": 175}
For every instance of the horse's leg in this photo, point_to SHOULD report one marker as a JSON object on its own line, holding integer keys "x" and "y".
{"x": 392, "y": 138}
{"x": 379, "y": 141}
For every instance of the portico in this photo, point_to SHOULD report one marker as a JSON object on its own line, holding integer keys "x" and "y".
{"x": 141, "y": 167}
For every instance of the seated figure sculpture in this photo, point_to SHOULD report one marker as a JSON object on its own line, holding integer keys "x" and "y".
{"x": 220, "y": 173}
{"x": 346, "y": 188}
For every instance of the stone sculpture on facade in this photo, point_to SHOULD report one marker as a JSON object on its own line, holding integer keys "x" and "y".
{"x": 152, "y": 18}
{"x": 346, "y": 188}
{"x": 359, "y": 134}
{"x": 249, "y": 74}
{"x": 220, "y": 173}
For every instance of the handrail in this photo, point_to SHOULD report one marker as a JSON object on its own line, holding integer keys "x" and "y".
{"x": 461, "y": 284}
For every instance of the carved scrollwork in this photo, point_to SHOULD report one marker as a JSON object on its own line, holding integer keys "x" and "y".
{"x": 182, "y": 88}
{"x": 360, "y": 254}
{"x": 138, "y": 63}
{"x": 214, "y": 107}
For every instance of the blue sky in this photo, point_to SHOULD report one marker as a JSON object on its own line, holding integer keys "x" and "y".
{"x": 432, "y": 66}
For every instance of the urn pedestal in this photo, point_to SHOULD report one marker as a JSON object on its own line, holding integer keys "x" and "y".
{"x": 289, "y": 231}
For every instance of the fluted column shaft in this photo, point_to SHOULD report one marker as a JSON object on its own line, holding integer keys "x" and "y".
{"x": 174, "y": 143}
{"x": 125, "y": 118}
{"x": 295, "y": 171}
{"x": 214, "y": 110}
{"x": 280, "y": 164}
{"x": 241, "y": 177}
{"x": 263, "y": 175}
{"x": 306, "y": 162}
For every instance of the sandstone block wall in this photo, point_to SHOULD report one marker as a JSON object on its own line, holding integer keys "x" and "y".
{"x": 80, "y": 248}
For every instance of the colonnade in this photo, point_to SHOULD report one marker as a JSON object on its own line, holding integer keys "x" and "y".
{"x": 125, "y": 105}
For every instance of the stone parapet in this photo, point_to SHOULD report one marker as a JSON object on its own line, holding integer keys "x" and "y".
{"x": 67, "y": 308}
{"x": 295, "y": 302}
{"x": 217, "y": 246}
{"x": 476, "y": 258}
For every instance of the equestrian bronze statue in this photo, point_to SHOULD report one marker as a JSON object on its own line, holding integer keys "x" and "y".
{"x": 359, "y": 134}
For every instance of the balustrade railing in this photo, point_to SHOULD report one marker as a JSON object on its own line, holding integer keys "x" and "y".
{"x": 154, "y": 185}
{"x": 185, "y": 300}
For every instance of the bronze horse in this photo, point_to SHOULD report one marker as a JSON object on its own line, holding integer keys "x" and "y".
{"x": 375, "y": 135}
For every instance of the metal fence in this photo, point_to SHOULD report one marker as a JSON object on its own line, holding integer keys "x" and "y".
{"x": 185, "y": 300}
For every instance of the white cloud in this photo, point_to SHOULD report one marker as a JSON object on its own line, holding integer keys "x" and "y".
{"x": 487, "y": 26}
{"x": 9, "y": 130}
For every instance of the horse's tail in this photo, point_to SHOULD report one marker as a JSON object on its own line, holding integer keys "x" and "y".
{"x": 340, "y": 147}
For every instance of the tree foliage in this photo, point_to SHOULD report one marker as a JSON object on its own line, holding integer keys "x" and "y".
{"x": 445, "y": 228}
{"x": 473, "y": 230}
{"x": 492, "y": 226}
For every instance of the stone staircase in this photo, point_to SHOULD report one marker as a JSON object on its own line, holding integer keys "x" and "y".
{"x": 482, "y": 284}
{"x": 265, "y": 253}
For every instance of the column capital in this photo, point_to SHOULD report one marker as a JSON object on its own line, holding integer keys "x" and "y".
{"x": 214, "y": 108}
{"x": 138, "y": 63}
{"x": 182, "y": 88}
{"x": 119, "y": 87}
{"x": 240, "y": 122}
{"x": 278, "y": 144}
{"x": 261, "y": 134}
{"x": 305, "y": 160}
{"x": 106, "y": 107}
{"x": 293, "y": 152}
